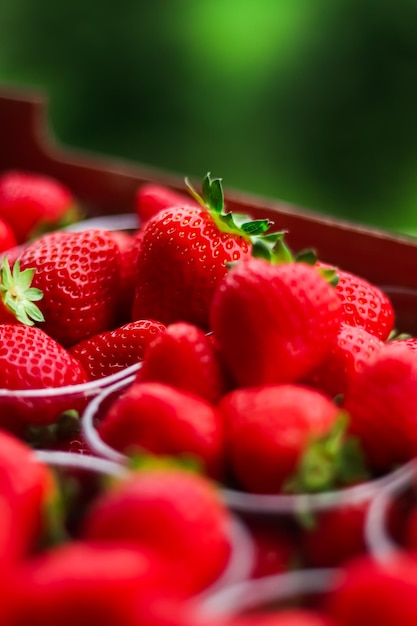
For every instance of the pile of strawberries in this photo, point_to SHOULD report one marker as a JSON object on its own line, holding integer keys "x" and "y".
{"x": 260, "y": 377}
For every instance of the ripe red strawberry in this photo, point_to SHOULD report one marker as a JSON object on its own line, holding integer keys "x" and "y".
{"x": 78, "y": 275}
{"x": 163, "y": 420}
{"x": 321, "y": 542}
{"x": 275, "y": 547}
{"x": 409, "y": 342}
{"x": 7, "y": 237}
{"x": 364, "y": 304}
{"x": 114, "y": 350}
{"x": 177, "y": 513}
{"x": 184, "y": 255}
{"x": 33, "y": 203}
{"x": 27, "y": 488}
{"x": 152, "y": 198}
{"x": 352, "y": 348}
{"x": 274, "y": 323}
{"x": 185, "y": 357}
{"x": 30, "y": 359}
{"x": 276, "y": 433}
{"x": 84, "y": 583}
{"x": 369, "y": 592}
{"x": 382, "y": 403}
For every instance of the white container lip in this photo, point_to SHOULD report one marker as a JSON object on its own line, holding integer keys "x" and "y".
{"x": 89, "y": 388}
{"x": 88, "y": 429}
{"x": 305, "y": 502}
{"x": 377, "y": 538}
{"x": 122, "y": 221}
{"x": 256, "y": 593}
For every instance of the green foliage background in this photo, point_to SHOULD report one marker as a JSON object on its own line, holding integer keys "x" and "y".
{"x": 310, "y": 101}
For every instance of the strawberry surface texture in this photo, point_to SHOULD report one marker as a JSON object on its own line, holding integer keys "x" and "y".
{"x": 77, "y": 274}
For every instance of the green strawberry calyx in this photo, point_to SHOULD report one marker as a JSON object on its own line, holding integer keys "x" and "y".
{"x": 212, "y": 200}
{"x": 17, "y": 295}
{"x": 329, "y": 462}
{"x": 270, "y": 246}
{"x": 142, "y": 460}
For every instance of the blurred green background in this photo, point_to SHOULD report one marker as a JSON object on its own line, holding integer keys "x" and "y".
{"x": 309, "y": 101}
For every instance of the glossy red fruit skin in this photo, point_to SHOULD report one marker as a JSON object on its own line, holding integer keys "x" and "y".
{"x": 365, "y": 305}
{"x": 30, "y": 359}
{"x": 274, "y": 323}
{"x": 29, "y": 200}
{"x": 7, "y": 237}
{"x": 185, "y": 357}
{"x": 163, "y": 420}
{"x": 275, "y": 546}
{"x": 373, "y": 593}
{"x": 77, "y": 273}
{"x": 182, "y": 259}
{"x": 109, "y": 352}
{"x": 152, "y": 198}
{"x": 85, "y": 583}
{"x": 177, "y": 513}
{"x": 352, "y": 348}
{"x": 321, "y": 544}
{"x": 267, "y": 430}
{"x": 26, "y": 488}
{"x": 382, "y": 404}
{"x": 409, "y": 342}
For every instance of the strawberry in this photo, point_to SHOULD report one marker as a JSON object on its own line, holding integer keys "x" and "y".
{"x": 31, "y": 360}
{"x": 275, "y": 547}
{"x": 185, "y": 357}
{"x": 382, "y": 403}
{"x": 177, "y": 513}
{"x": 352, "y": 348}
{"x": 409, "y": 342}
{"x": 284, "y": 436}
{"x": 151, "y": 198}
{"x": 33, "y": 203}
{"x": 84, "y": 583}
{"x": 372, "y": 593}
{"x": 7, "y": 237}
{"x": 27, "y": 488}
{"x": 184, "y": 255}
{"x": 364, "y": 304}
{"x": 274, "y": 322}
{"x": 321, "y": 541}
{"x": 164, "y": 420}
{"x": 114, "y": 350}
{"x": 77, "y": 273}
